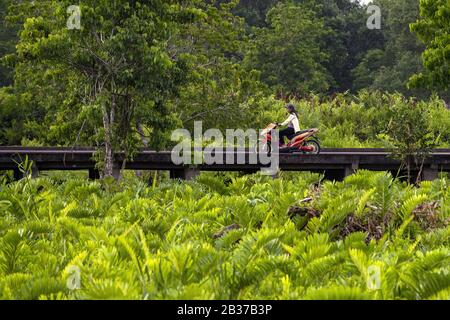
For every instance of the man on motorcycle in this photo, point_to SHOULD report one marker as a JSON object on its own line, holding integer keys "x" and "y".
{"x": 292, "y": 123}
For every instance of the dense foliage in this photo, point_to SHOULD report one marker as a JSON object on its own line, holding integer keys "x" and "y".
{"x": 135, "y": 70}
{"x": 434, "y": 30}
{"x": 221, "y": 62}
{"x": 368, "y": 120}
{"x": 109, "y": 65}
{"x": 389, "y": 66}
{"x": 7, "y": 41}
{"x": 226, "y": 238}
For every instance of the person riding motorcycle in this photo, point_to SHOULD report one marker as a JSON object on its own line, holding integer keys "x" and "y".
{"x": 292, "y": 122}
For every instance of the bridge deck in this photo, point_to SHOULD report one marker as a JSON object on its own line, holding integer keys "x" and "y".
{"x": 344, "y": 161}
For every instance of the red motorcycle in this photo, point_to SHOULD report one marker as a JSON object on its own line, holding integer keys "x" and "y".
{"x": 303, "y": 141}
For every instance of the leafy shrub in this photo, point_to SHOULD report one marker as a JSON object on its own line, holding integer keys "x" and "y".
{"x": 225, "y": 237}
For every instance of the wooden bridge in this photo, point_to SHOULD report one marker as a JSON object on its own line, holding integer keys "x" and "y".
{"x": 334, "y": 163}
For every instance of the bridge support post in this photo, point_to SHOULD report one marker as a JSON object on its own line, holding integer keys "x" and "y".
{"x": 18, "y": 175}
{"x": 116, "y": 171}
{"x": 184, "y": 174}
{"x": 34, "y": 171}
{"x": 348, "y": 171}
{"x": 334, "y": 175}
{"x": 430, "y": 174}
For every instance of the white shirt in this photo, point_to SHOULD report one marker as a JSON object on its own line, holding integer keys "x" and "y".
{"x": 293, "y": 122}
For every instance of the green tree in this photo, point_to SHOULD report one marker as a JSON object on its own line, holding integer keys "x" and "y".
{"x": 8, "y": 38}
{"x": 389, "y": 66}
{"x": 289, "y": 53}
{"x": 347, "y": 40}
{"x": 254, "y": 11}
{"x": 218, "y": 86}
{"x": 118, "y": 64}
{"x": 433, "y": 29}
{"x": 342, "y": 39}
{"x": 409, "y": 133}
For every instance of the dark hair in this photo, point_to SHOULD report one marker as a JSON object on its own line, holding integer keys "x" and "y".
{"x": 291, "y": 109}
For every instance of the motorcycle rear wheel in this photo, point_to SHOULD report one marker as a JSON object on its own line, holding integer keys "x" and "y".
{"x": 263, "y": 147}
{"x": 314, "y": 144}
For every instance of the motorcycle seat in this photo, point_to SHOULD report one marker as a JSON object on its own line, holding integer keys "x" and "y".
{"x": 302, "y": 132}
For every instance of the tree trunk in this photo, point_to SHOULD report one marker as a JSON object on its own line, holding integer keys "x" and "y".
{"x": 408, "y": 168}
{"x": 108, "y": 119}
{"x": 140, "y": 130}
{"x": 144, "y": 141}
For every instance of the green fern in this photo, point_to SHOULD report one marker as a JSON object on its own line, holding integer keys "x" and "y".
{"x": 338, "y": 293}
{"x": 130, "y": 241}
